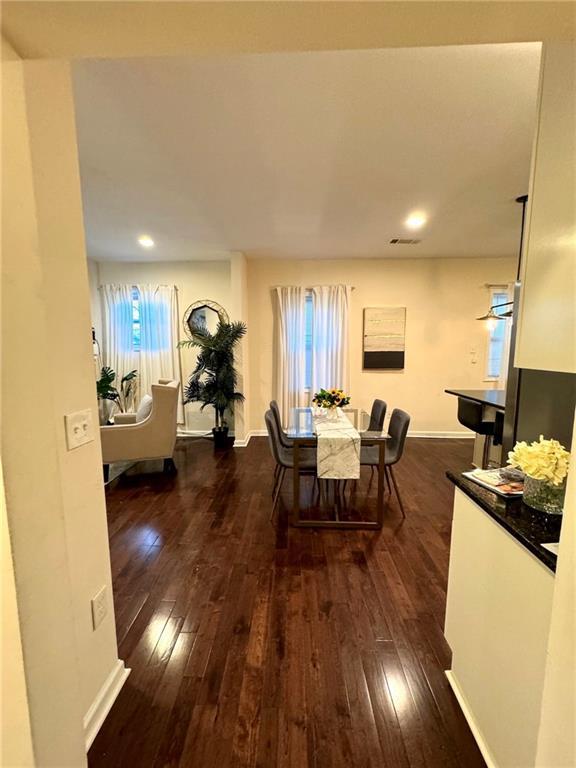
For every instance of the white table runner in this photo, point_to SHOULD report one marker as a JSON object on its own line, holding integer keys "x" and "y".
{"x": 338, "y": 450}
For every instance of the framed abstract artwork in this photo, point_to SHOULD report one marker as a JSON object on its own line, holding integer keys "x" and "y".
{"x": 384, "y": 338}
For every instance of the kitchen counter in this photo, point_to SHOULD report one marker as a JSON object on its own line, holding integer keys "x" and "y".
{"x": 528, "y": 526}
{"x": 494, "y": 397}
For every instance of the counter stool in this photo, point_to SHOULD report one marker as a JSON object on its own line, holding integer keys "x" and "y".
{"x": 470, "y": 415}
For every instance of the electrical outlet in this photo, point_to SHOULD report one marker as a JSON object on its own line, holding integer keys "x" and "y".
{"x": 99, "y": 607}
{"x": 79, "y": 429}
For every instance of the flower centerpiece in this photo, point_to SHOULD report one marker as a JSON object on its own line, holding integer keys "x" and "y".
{"x": 330, "y": 399}
{"x": 545, "y": 466}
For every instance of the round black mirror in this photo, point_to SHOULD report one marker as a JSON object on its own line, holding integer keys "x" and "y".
{"x": 204, "y": 315}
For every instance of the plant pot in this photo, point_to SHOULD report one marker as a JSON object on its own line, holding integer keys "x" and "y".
{"x": 544, "y": 496}
{"x": 221, "y": 439}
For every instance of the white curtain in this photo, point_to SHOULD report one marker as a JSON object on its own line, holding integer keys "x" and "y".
{"x": 330, "y": 360}
{"x": 117, "y": 344}
{"x": 291, "y": 349}
{"x": 158, "y": 337}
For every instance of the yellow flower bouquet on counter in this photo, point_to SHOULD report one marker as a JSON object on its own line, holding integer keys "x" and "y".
{"x": 545, "y": 465}
{"x": 331, "y": 398}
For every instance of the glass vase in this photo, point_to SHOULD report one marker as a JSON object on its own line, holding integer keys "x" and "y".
{"x": 332, "y": 413}
{"x": 544, "y": 496}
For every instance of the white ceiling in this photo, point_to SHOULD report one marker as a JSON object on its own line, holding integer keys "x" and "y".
{"x": 307, "y": 155}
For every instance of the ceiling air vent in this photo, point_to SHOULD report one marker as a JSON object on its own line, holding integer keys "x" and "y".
{"x": 403, "y": 241}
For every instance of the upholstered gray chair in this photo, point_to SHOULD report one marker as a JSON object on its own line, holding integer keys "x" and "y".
{"x": 284, "y": 459}
{"x": 284, "y": 439}
{"x": 377, "y": 416}
{"x": 397, "y": 429}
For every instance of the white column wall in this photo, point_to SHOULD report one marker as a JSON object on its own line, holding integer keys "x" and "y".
{"x": 55, "y": 499}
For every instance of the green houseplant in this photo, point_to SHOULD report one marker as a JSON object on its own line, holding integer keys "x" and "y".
{"x": 123, "y": 398}
{"x": 214, "y": 379}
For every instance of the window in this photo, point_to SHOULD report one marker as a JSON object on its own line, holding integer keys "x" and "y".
{"x": 308, "y": 336}
{"x": 498, "y": 336}
{"x": 135, "y": 319}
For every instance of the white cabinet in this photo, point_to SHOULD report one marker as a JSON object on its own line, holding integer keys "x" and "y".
{"x": 497, "y": 621}
{"x": 546, "y": 337}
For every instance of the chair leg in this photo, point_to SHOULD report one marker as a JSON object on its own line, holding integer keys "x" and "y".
{"x": 486, "y": 452}
{"x": 277, "y": 470}
{"x": 397, "y": 491}
{"x": 169, "y": 466}
{"x": 279, "y": 484}
{"x": 315, "y": 488}
{"x": 387, "y": 479}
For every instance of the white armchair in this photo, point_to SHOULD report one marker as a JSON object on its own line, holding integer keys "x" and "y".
{"x": 153, "y": 437}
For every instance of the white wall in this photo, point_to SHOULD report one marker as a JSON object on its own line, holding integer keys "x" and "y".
{"x": 16, "y": 747}
{"x": 239, "y": 311}
{"x": 195, "y": 280}
{"x": 55, "y": 498}
{"x": 557, "y": 733}
{"x": 95, "y": 306}
{"x": 445, "y": 345}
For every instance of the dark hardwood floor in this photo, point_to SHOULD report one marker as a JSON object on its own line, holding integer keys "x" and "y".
{"x": 254, "y": 644}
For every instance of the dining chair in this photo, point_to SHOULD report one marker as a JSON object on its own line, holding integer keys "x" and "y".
{"x": 284, "y": 459}
{"x": 377, "y": 416}
{"x": 284, "y": 439}
{"x": 397, "y": 430}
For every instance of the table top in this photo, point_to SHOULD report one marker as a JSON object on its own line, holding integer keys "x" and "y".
{"x": 301, "y": 424}
{"x": 493, "y": 397}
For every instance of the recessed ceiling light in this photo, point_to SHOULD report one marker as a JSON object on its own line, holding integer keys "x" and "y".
{"x": 415, "y": 220}
{"x": 146, "y": 241}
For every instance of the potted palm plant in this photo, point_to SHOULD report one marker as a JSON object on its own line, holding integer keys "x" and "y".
{"x": 122, "y": 398}
{"x": 214, "y": 379}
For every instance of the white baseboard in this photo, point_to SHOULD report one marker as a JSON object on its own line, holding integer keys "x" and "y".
{"x": 243, "y": 442}
{"x": 238, "y": 443}
{"x": 102, "y": 704}
{"x": 456, "y": 435}
{"x": 467, "y": 712}
{"x": 181, "y": 432}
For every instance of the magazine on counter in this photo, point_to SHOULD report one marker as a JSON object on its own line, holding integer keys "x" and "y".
{"x": 503, "y": 481}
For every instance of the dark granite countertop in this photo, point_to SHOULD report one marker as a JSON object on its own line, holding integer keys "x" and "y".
{"x": 528, "y": 526}
{"x": 493, "y": 397}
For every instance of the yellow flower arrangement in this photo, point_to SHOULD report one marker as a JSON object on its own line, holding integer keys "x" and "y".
{"x": 331, "y": 398}
{"x": 545, "y": 460}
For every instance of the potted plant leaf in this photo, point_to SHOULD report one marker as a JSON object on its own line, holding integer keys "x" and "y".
{"x": 105, "y": 390}
{"x": 214, "y": 379}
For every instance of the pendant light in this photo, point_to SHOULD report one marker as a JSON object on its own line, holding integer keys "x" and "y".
{"x": 491, "y": 317}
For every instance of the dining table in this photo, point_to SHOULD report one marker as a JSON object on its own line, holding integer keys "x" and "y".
{"x": 338, "y": 436}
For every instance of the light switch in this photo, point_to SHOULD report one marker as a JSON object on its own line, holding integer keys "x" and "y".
{"x": 99, "y": 607}
{"x": 79, "y": 430}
